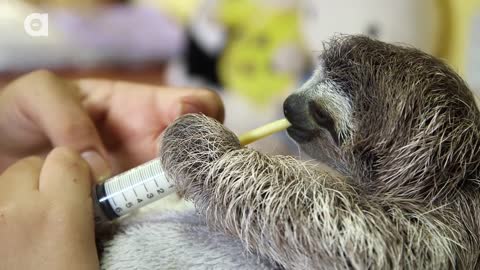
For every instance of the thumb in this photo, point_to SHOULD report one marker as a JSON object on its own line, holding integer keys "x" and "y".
{"x": 55, "y": 107}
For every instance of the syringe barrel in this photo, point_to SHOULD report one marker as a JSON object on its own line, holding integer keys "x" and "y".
{"x": 130, "y": 190}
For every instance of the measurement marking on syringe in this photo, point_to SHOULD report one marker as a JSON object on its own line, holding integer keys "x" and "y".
{"x": 143, "y": 182}
{"x": 126, "y": 185}
{"x": 120, "y": 190}
{"x": 150, "y": 172}
{"x": 142, "y": 174}
{"x": 133, "y": 188}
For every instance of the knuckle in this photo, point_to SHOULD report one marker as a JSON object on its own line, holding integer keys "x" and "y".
{"x": 77, "y": 130}
{"x": 214, "y": 97}
{"x": 29, "y": 163}
{"x": 208, "y": 93}
{"x": 69, "y": 158}
{"x": 39, "y": 78}
{"x": 40, "y": 75}
{"x": 64, "y": 153}
{"x": 32, "y": 161}
{"x": 35, "y": 83}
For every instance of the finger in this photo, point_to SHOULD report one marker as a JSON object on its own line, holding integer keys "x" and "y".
{"x": 170, "y": 102}
{"x": 55, "y": 105}
{"x": 65, "y": 176}
{"x": 21, "y": 177}
{"x": 201, "y": 101}
{"x": 136, "y": 114}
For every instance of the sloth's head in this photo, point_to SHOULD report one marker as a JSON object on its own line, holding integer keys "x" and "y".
{"x": 384, "y": 112}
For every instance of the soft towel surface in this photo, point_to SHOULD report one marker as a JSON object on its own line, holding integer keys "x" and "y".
{"x": 175, "y": 240}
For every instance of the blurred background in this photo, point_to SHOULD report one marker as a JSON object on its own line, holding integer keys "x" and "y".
{"x": 253, "y": 52}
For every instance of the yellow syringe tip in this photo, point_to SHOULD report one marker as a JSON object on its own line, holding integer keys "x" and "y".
{"x": 263, "y": 131}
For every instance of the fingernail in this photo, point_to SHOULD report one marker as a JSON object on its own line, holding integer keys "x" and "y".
{"x": 98, "y": 165}
{"x": 208, "y": 103}
{"x": 186, "y": 108}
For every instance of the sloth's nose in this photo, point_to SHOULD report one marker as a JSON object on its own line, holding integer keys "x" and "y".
{"x": 295, "y": 109}
{"x": 305, "y": 113}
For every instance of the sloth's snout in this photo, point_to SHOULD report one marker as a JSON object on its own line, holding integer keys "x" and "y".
{"x": 307, "y": 118}
{"x": 296, "y": 111}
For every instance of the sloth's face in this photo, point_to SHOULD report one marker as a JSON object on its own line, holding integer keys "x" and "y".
{"x": 350, "y": 100}
{"x": 320, "y": 114}
{"x": 354, "y": 76}
{"x": 355, "y": 97}
{"x": 321, "y": 110}
{"x": 377, "y": 103}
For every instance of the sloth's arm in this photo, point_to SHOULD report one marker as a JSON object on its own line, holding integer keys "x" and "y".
{"x": 295, "y": 213}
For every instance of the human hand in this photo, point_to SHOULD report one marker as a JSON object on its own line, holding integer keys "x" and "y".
{"x": 46, "y": 215}
{"x": 114, "y": 125}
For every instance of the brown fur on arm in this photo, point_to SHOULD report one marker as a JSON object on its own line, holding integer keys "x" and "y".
{"x": 296, "y": 214}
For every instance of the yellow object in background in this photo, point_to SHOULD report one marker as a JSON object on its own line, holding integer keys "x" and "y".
{"x": 263, "y": 35}
{"x": 182, "y": 10}
{"x": 457, "y": 22}
{"x": 236, "y": 14}
{"x": 263, "y": 56}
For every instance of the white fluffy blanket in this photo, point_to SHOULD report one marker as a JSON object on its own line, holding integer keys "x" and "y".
{"x": 174, "y": 239}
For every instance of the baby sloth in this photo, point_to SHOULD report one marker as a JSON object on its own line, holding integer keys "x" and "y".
{"x": 399, "y": 132}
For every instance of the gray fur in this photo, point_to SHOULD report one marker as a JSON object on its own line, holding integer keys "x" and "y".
{"x": 175, "y": 241}
{"x": 406, "y": 192}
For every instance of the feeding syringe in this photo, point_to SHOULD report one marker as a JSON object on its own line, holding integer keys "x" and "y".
{"x": 147, "y": 183}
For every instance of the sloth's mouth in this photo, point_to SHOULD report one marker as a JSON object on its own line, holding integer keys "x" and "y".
{"x": 301, "y": 135}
